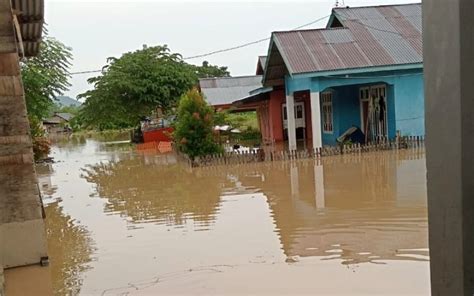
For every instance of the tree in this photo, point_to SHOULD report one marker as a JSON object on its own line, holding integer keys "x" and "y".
{"x": 134, "y": 85}
{"x": 194, "y": 126}
{"x": 207, "y": 71}
{"x": 46, "y": 76}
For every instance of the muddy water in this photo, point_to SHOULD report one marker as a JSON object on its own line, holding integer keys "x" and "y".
{"x": 124, "y": 223}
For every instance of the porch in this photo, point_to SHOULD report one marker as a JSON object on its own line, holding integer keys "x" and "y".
{"x": 380, "y": 104}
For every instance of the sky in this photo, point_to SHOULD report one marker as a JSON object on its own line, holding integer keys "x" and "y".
{"x": 96, "y": 30}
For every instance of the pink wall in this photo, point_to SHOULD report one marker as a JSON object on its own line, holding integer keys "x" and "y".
{"x": 270, "y": 115}
{"x": 277, "y": 98}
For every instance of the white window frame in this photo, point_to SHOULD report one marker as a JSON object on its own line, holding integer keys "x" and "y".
{"x": 299, "y": 122}
{"x": 327, "y": 108}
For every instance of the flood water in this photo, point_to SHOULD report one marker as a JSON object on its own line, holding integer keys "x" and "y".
{"x": 121, "y": 222}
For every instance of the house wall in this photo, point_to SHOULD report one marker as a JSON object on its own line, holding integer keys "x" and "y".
{"x": 405, "y": 99}
{"x": 277, "y": 98}
{"x": 409, "y": 105}
{"x": 22, "y": 235}
{"x": 346, "y": 112}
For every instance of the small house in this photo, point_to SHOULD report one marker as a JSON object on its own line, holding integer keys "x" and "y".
{"x": 59, "y": 122}
{"x": 364, "y": 70}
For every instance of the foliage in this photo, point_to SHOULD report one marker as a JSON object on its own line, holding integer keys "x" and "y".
{"x": 41, "y": 144}
{"x": 243, "y": 120}
{"x": 194, "y": 126}
{"x": 74, "y": 110}
{"x": 134, "y": 85}
{"x": 46, "y": 76}
{"x": 206, "y": 70}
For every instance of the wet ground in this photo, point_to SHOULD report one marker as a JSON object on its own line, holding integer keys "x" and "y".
{"x": 127, "y": 223}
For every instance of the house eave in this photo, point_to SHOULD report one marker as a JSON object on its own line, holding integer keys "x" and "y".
{"x": 371, "y": 69}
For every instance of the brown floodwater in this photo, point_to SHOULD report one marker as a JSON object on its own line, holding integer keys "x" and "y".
{"x": 126, "y": 223}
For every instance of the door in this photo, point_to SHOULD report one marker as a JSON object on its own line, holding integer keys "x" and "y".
{"x": 299, "y": 116}
{"x": 373, "y": 110}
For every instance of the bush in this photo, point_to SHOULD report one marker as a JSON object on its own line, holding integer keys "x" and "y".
{"x": 41, "y": 144}
{"x": 41, "y": 147}
{"x": 194, "y": 133}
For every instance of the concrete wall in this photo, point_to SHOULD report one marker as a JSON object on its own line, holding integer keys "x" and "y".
{"x": 405, "y": 99}
{"x": 277, "y": 98}
{"x": 22, "y": 235}
{"x": 409, "y": 105}
{"x": 448, "y": 50}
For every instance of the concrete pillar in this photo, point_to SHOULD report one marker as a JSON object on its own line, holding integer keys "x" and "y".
{"x": 22, "y": 235}
{"x": 448, "y": 30}
{"x": 316, "y": 120}
{"x": 290, "y": 115}
{"x": 319, "y": 185}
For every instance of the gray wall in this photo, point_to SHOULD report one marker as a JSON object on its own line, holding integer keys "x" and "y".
{"x": 449, "y": 87}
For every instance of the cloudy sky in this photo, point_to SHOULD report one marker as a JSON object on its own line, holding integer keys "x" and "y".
{"x": 99, "y": 29}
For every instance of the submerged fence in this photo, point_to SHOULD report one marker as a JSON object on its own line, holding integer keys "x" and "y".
{"x": 268, "y": 154}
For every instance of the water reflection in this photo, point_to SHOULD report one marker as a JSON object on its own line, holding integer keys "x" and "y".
{"x": 149, "y": 221}
{"x": 146, "y": 191}
{"x": 70, "y": 249}
{"x": 358, "y": 209}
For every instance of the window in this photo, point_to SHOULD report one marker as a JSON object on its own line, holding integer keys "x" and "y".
{"x": 299, "y": 111}
{"x": 326, "y": 100}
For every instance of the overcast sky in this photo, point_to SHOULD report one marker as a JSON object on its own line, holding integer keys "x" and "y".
{"x": 97, "y": 30}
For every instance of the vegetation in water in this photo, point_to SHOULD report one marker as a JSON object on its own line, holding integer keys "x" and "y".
{"x": 194, "y": 133}
{"x": 245, "y": 122}
{"x": 41, "y": 144}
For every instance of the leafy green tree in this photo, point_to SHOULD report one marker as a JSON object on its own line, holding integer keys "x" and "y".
{"x": 194, "y": 126}
{"x": 207, "y": 70}
{"x": 46, "y": 76}
{"x": 134, "y": 85}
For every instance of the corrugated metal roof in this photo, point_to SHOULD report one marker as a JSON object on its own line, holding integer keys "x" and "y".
{"x": 31, "y": 19}
{"x": 225, "y": 90}
{"x": 65, "y": 116}
{"x": 371, "y": 36}
{"x": 262, "y": 61}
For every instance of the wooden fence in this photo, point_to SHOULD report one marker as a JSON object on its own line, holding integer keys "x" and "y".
{"x": 266, "y": 154}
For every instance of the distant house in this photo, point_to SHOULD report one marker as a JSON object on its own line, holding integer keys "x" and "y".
{"x": 220, "y": 92}
{"x": 59, "y": 122}
{"x": 365, "y": 69}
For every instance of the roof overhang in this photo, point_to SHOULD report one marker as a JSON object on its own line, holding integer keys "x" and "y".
{"x": 362, "y": 70}
{"x": 275, "y": 66}
{"x": 255, "y": 97}
{"x": 21, "y": 26}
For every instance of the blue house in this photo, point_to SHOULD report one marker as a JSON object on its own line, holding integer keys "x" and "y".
{"x": 365, "y": 69}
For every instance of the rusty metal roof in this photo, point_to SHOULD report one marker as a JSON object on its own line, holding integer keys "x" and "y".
{"x": 225, "y": 90}
{"x": 370, "y": 36}
{"x": 262, "y": 60}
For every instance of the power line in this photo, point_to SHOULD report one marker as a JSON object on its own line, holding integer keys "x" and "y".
{"x": 225, "y": 49}
{"x": 85, "y": 72}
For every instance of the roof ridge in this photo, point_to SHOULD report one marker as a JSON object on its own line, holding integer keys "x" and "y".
{"x": 310, "y": 30}
{"x": 374, "y": 6}
{"x": 229, "y": 77}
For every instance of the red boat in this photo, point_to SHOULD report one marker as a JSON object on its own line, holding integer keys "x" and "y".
{"x": 158, "y": 135}
{"x": 158, "y": 130}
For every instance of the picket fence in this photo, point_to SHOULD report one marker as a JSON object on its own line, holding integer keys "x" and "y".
{"x": 266, "y": 154}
